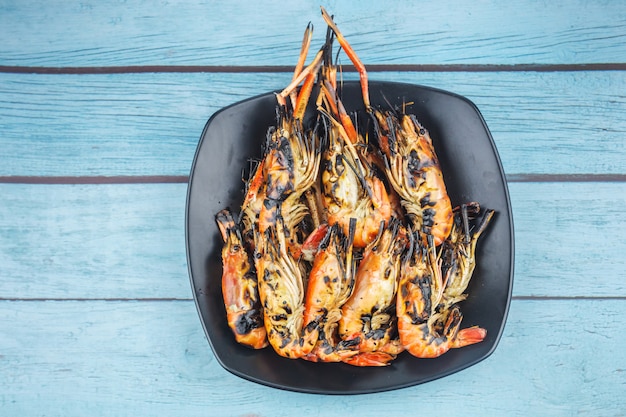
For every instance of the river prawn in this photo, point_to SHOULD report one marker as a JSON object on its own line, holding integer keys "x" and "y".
{"x": 290, "y": 163}
{"x": 414, "y": 172}
{"x": 458, "y": 253}
{"x": 281, "y": 291}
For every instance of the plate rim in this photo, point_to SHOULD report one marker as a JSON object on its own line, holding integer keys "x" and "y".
{"x": 390, "y": 387}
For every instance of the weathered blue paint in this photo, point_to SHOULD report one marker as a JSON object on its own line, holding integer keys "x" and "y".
{"x": 150, "y": 124}
{"x": 96, "y": 316}
{"x": 105, "y": 33}
{"x": 107, "y": 358}
{"x": 127, "y": 241}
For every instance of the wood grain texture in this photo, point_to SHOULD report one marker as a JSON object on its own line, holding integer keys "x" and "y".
{"x": 150, "y": 124}
{"x": 151, "y": 358}
{"x": 127, "y": 241}
{"x": 99, "y": 241}
{"x": 96, "y": 314}
{"x": 87, "y": 33}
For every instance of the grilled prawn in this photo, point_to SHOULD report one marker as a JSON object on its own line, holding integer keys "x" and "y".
{"x": 414, "y": 170}
{"x": 427, "y": 326}
{"x": 369, "y": 314}
{"x": 349, "y": 187}
{"x": 350, "y": 191}
{"x": 331, "y": 281}
{"x": 459, "y": 252}
{"x": 292, "y": 157}
{"x": 239, "y": 286}
{"x": 281, "y": 291}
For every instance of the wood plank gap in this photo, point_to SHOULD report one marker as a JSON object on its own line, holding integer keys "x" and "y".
{"x": 183, "y": 179}
{"x": 566, "y": 298}
{"x": 173, "y": 299}
{"x": 132, "y": 69}
{"x": 113, "y": 299}
{"x": 566, "y": 177}
{"x": 96, "y": 179}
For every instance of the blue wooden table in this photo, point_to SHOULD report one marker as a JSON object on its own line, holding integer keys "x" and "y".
{"x": 102, "y": 104}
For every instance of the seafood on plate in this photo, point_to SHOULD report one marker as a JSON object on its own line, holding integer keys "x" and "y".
{"x": 346, "y": 247}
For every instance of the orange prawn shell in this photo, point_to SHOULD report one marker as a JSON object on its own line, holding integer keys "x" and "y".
{"x": 331, "y": 280}
{"x": 375, "y": 284}
{"x": 415, "y": 174}
{"x": 343, "y": 195}
{"x": 369, "y": 215}
{"x": 324, "y": 285}
{"x": 371, "y": 290}
{"x": 239, "y": 298}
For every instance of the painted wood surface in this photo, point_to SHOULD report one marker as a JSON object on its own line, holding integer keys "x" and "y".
{"x": 115, "y": 241}
{"x": 96, "y": 314}
{"x": 136, "y": 32}
{"x": 109, "y": 358}
{"x": 150, "y": 124}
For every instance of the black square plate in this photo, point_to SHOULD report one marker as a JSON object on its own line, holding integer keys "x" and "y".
{"x": 472, "y": 171}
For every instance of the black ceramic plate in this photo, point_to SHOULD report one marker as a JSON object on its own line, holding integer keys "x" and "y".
{"x": 472, "y": 171}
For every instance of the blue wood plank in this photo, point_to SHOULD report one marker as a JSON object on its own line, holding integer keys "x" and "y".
{"x": 79, "y": 33}
{"x": 127, "y": 241}
{"x": 99, "y": 241}
{"x": 151, "y": 358}
{"x": 569, "y": 234}
{"x": 123, "y": 336}
{"x": 150, "y": 124}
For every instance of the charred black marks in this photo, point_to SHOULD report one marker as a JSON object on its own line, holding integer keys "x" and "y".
{"x": 428, "y": 217}
{"x": 377, "y": 334}
{"x": 248, "y": 321}
{"x": 426, "y": 201}
{"x": 279, "y": 317}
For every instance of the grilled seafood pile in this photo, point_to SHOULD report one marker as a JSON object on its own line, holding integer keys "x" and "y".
{"x": 346, "y": 247}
